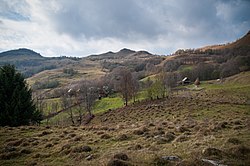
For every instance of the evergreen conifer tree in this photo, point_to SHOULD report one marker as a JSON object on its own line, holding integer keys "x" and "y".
{"x": 16, "y": 104}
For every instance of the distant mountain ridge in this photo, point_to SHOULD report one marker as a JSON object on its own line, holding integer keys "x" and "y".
{"x": 122, "y": 54}
{"x": 20, "y": 52}
{"x": 242, "y": 42}
{"x": 30, "y": 62}
{"x": 26, "y": 61}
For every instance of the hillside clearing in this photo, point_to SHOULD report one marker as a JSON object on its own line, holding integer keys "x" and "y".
{"x": 210, "y": 124}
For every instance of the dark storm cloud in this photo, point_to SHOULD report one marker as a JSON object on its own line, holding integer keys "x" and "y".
{"x": 211, "y": 19}
{"x": 133, "y": 19}
{"x": 109, "y": 18}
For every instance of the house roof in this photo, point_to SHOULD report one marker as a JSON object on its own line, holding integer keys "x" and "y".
{"x": 185, "y": 79}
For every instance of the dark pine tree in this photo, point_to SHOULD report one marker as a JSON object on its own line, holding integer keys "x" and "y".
{"x": 16, "y": 104}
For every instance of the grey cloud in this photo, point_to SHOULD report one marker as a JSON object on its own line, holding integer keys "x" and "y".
{"x": 160, "y": 26}
{"x": 110, "y": 18}
{"x": 202, "y": 21}
{"x": 149, "y": 19}
{"x": 14, "y": 10}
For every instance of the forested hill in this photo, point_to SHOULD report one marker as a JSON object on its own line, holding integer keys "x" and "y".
{"x": 20, "y": 53}
{"x": 122, "y": 54}
{"x": 27, "y": 61}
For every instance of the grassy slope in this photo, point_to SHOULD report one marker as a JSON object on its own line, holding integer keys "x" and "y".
{"x": 217, "y": 116}
{"x": 185, "y": 67}
{"x": 86, "y": 70}
{"x": 107, "y": 103}
{"x": 103, "y": 105}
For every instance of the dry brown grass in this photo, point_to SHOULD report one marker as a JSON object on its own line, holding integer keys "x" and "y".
{"x": 192, "y": 128}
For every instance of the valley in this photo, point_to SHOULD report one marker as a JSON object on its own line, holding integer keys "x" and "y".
{"x": 135, "y": 108}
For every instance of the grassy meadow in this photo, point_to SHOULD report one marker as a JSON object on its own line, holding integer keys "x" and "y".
{"x": 196, "y": 125}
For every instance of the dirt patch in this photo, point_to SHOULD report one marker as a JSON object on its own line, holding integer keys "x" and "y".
{"x": 10, "y": 155}
{"x": 234, "y": 141}
{"x": 41, "y": 155}
{"x": 209, "y": 152}
{"x": 121, "y": 156}
{"x": 44, "y": 133}
{"x": 26, "y": 151}
{"x": 116, "y": 162}
{"x": 105, "y": 136}
{"x": 78, "y": 138}
{"x": 159, "y": 161}
{"x": 72, "y": 135}
{"x": 138, "y": 132}
{"x": 81, "y": 149}
{"x": 49, "y": 145}
{"x": 17, "y": 142}
{"x": 169, "y": 136}
{"x": 136, "y": 147}
{"x": 119, "y": 159}
{"x": 240, "y": 151}
{"x": 122, "y": 137}
{"x": 8, "y": 149}
{"x": 182, "y": 138}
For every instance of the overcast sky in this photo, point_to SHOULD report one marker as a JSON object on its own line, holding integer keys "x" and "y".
{"x": 84, "y": 27}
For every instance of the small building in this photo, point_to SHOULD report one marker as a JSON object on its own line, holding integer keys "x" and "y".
{"x": 185, "y": 81}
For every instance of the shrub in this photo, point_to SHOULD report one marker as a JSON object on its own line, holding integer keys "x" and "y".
{"x": 48, "y": 84}
{"x": 69, "y": 71}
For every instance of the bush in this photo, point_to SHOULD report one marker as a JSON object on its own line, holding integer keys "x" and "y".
{"x": 45, "y": 84}
{"x": 69, "y": 71}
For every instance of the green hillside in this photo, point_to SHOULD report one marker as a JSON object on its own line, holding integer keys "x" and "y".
{"x": 195, "y": 126}
{"x": 19, "y": 54}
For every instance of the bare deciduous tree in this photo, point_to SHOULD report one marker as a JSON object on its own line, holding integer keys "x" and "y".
{"x": 148, "y": 84}
{"x": 158, "y": 89}
{"x": 88, "y": 93}
{"x": 67, "y": 102}
{"x": 170, "y": 79}
{"x": 135, "y": 87}
{"x": 124, "y": 83}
